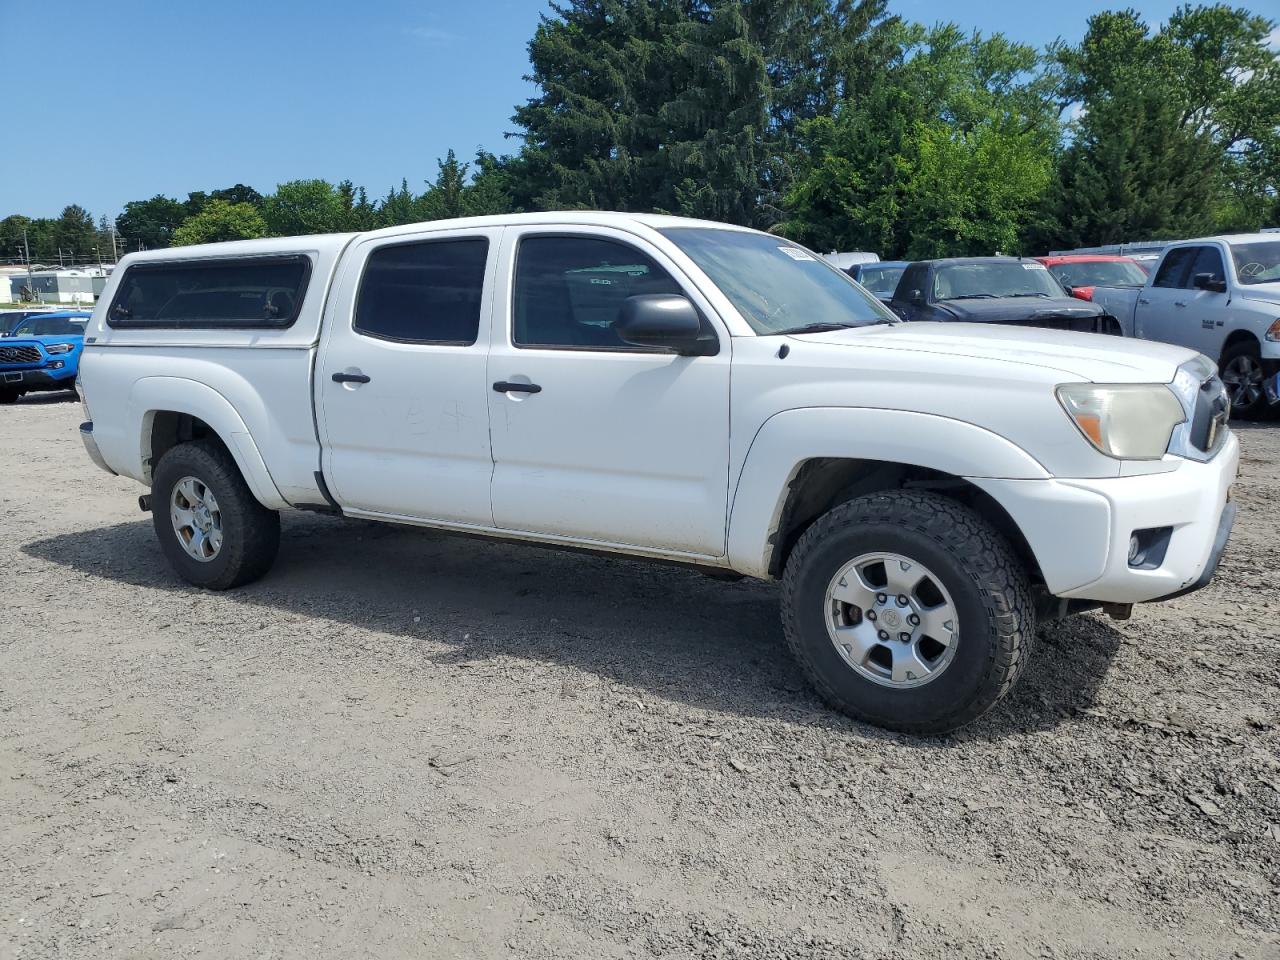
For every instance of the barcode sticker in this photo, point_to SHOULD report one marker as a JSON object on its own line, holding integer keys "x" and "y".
{"x": 795, "y": 253}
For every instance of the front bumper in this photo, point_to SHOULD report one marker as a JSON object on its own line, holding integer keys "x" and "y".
{"x": 91, "y": 446}
{"x": 39, "y": 378}
{"x": 1079, "y": 530}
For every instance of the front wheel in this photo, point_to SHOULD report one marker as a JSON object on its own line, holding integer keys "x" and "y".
{"x": 907, "y": 611}
{"x": 1243, "y": 376}
{"x": 211, "y": 528}
{"x": 9, "y": 396}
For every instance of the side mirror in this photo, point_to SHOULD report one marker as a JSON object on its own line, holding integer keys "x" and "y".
{"x": 1207, "y": 281}
{"x": 663, "y": 320}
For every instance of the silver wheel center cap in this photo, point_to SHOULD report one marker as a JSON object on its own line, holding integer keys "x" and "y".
{"x": 891, "y": 619}
{"x": 203, "y": 518}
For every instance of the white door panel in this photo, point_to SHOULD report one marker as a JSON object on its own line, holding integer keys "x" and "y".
{"x": 413, "y": 440}
{"x": 617, "y": 445}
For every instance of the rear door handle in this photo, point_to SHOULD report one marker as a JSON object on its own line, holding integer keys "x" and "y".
{"x": 1179, "y": 303}
{"x": 351, "y": 378}
{"x": 506, "y": 386}
{"x": 1143, "y": 300}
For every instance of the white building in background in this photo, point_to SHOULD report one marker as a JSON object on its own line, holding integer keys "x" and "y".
{"x": 58, "y": 286}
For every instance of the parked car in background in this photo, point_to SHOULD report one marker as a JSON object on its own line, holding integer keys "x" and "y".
{"x": 719, "y": 402}
{"x": 42, "y": 353}
{"x": 9, "y": 319}
{"x": 1217, "y": 295}
{"x": 879, "y": 278}
{"x": 994, "y": 290}
{"x": 1080, "y": 273}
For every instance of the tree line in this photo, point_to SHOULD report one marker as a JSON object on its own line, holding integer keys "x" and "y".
{"x": 830, "y": 122}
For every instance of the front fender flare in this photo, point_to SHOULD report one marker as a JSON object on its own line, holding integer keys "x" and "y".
{"x": 788, "y": 439}
{"x": 151, "y": 395}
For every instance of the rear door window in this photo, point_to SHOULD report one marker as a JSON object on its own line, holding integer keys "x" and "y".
{"x": 202, "y": 294}
{"x": 425, "y": 292}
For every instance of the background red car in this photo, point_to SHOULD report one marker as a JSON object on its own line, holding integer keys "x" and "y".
{"x": 1081, "y": 272}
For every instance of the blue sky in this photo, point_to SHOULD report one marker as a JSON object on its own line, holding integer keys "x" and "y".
{"x": 135, "y": 97}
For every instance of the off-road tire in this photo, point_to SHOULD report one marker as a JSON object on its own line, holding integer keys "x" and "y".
{"x": 251, "y": 532}
{"x": 9, "y": 396}
{"x": 979, "y": 568}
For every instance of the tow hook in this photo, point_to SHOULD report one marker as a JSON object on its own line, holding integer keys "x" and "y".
{"x": 1118, "y": 611}
{"x": 144, "y": 503}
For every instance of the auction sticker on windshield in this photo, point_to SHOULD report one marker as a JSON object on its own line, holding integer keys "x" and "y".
{"x": 795, "y": 253}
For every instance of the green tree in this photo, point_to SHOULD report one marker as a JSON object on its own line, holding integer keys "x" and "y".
{"x": 948, "y": 153}
{"x": 302, "y": 207}
{"x": 74, "y": 234}
{"x": 149, "y": 224}
{"x": 1179, "y": 130}
{"x": 220, "y": 221}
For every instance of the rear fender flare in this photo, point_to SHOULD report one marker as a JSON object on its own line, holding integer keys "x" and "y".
{"x": 151, "y": 395}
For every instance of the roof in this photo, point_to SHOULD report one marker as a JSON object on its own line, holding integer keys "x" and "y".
{"x": 968, "y": 261}
{"x": 887, "y": 263}
{"x": 334, "y": 242}
{"x": 1233, "y": 239}
{"x": 1083, "y": 258}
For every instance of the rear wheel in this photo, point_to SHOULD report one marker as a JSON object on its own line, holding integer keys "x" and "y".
{"x": 908, "y": 611}
{"x": 1243, "y": 375}
{"x": 211, "y": 528}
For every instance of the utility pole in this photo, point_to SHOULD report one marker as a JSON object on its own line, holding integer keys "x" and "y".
{"x": 26, "y": 249}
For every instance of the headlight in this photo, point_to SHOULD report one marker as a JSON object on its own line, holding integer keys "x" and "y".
{"x": 56, "y": 348}
{"x": 1128, "y": 421}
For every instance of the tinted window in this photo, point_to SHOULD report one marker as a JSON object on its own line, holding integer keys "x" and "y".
{"x": 1257, "y": 262}
{"x": 1173, "y": 268}
{"x": 52, "y": 327}
{"x": 1100, "y": 273}
{"x": 1209, "y": 261}
{"x": 250, "y": 292}
{"x": 423, "y": 292}
{"x": 569, "y": 290}
{"x": 994, "y": 278}
{"x": 911, "y": 286}
{"x": 777, "y": 285}
{"x": 881, "y": 281}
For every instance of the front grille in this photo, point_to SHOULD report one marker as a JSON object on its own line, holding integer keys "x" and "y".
{"x": 19, "y": 354}
{"x": 1209, "y": 419}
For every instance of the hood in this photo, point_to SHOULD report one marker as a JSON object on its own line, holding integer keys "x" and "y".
{"x": 1095, "y": 357}
{"x": 1267, "y": 293}
{"x": 1019, "y": 309}
{"x": 74, "y": 338}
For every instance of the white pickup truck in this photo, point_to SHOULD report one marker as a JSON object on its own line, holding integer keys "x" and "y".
{"x": 1219, "y": 296}
{"x": 672, "y": 389}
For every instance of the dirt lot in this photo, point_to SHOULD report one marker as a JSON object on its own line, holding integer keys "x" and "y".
{"x": 405, "y": 745}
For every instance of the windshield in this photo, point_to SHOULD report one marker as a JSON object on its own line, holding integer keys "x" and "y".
{"x": 51, "y": 327}
{"x": 1100, "y": 273}
{"x": 995, "y": 278}
{"x": 1257, "y": 262}
{"x": 776, "y": 285}
{"x": 881, "y": 281}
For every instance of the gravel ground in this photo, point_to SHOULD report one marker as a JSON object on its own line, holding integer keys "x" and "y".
{"x": 401, "y": 745}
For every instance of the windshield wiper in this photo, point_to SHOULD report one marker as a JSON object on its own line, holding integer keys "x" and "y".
{"x": 972, "y": 296}
{"x": 825, "y": 327}
{"x": 1011, "y": 295}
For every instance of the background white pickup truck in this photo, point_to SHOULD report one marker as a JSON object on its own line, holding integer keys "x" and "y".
{"x": 1219, "y": 296}
{"x": 673, "y": 389}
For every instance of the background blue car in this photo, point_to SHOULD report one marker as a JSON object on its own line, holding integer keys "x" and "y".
{"x": 42, "y": 353}
{"x": 880, "y": 278}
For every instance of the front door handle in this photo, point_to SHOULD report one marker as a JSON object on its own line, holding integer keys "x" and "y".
{"x": 1179, "y": 303}
{"x": 351, "y": 378}
{"x": 506, "y": 386}
{"x": 1143, "y": 300}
